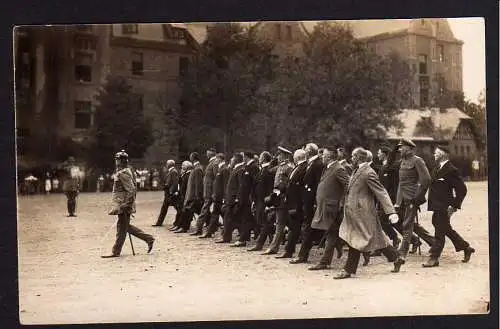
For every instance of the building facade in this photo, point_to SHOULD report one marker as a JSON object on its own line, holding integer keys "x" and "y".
{"x": 428, "y": 45}
{"x": 59, "y": 70}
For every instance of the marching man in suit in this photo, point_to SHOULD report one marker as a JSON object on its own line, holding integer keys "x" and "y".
{"x": 247, "y": 195}
{"x": 360, "y": 227}
{"x": 219, "y": 186}
{"x": 446, "y": 193}
{"x": 294, "y": 202}
{"x": 231, "y": 207}
{"x": 208, "y": 182}
{"x": 171, "y": 190}
{"x": 123, "y": 199}
{"x": 263, "y": 187}
{"x": 330, "y": 198}
{"x": 194, "y": 194}
{"x": 186, "y": 169}
{"x": 312, "y": 176}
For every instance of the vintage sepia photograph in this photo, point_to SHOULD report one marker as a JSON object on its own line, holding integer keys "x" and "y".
{"x": 220, "y": 171}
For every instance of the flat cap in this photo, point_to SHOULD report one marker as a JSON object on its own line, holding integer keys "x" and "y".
{"x": 284, "y": 150}
{"x": 406, "y": 142}
{"x": 444, "y": 148}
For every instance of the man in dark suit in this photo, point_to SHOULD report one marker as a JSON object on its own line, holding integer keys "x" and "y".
{"x": 71, "y": 184}
{"x": 263, "y": 188}
{"x": 312, "y": 177}
{"x": 247, "y": 196}
{"x": 194, "y": 193}
{"x": 219, "y": 185}
{"x": 208, "y": 182}
{"x": 294, "y": 202}
{"x": 231, "y": 207}
{"x": 278, "y": 198}
{"x": 328, "y": 215}
{"x": 171, "y": 191}
{"x": 186, "y": 169}
{"x": 446, "y": 193}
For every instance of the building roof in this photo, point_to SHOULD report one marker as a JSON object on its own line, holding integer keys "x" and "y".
{"x": 446, "y": 120}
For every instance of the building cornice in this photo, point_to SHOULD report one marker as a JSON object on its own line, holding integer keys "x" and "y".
{"x": 120, "y": 41}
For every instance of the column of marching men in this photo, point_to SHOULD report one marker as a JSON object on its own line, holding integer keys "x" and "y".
{"x": 312, "y": 196}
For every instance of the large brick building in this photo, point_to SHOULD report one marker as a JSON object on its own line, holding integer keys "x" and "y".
{"x": 60, "y": 70}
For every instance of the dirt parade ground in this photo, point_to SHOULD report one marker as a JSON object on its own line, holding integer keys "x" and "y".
{"x": 62, "y": 278}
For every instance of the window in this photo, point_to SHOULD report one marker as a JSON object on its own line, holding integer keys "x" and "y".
{"x": 289, "y": 32}
{"x": 461, "y": 149}
{"x": 183, "y": 66}
{"x": 130, "y": 28}
{"x": 440, "y": 53}
{"x": 83, "y": 113}
{"x": 137, "y": 63}
{"x": 277, "y": 28}
{"x": 456, "y": 149}
{"x": 422, "y": 59}
{"x": 468, "y": 149}
{"x": 424, "y": 91}
{"x": 86, "y": 44}
{"x": 177, "y": 34}
{"x": 83, "y": 67}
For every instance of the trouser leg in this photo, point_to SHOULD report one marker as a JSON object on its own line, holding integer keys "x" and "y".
{"x": 121, "y": 232}
{"x": 281, "y": 219}
{"x": 351, "y": 264}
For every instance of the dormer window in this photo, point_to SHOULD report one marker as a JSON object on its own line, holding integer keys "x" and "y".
{"x": 130, "y": 28}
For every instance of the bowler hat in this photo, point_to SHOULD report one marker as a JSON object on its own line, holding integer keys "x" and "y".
{"x": 406, "y": 142}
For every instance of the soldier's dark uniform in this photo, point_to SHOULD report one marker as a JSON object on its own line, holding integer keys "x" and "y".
{"x": 231, "y": 201}
{"x": 183, "y": 180}
{"x": 208, "y": 182}
{"x": 279, "y": 192}
{"x": 247, "y": 196}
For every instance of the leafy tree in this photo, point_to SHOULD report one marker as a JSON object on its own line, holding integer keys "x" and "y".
{"x": 119, "y": 124}
{"x": 341, "y": 91}
{"x": 232, "y": 64}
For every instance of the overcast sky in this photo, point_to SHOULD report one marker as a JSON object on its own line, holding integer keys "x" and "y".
{"x": 471, "y": 32}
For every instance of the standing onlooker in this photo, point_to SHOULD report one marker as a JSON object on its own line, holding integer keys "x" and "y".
{"x": 55, "y": 184}
{"x": 48, "y": 183}
{"x": 71, "y": 184}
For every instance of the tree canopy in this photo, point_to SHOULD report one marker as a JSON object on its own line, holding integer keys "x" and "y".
{"x": 119, "y": 123}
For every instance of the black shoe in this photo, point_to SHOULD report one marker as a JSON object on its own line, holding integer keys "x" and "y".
{"x": 285, "y": 255}
{"x": 173, "y": 228}
{"x": 181, "y": 230}
{"x": 298, "y": 261}
{"x": 342, "y": 275}
{"x": 376, "y": 253}
{"x": 196, "y": 233}
{"x": 110, "y": 256}
{"x": 223, "y": 241}
{"x": 397, "y": 264}
{"x": 431, "y": 262}
{"x": 467, "y": 253}
{"x": 156, "y": 225}
{"x": 239, "y": 244}
{"x": 318, "y": 267}
{"x": 269, "y": 252}
{"x": 256, "y": 248}
{"x": 205, "y": 236}
{"x": 150, "y": 245}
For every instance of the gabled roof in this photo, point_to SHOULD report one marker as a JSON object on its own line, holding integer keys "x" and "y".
{"x": 446, "y": 120}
